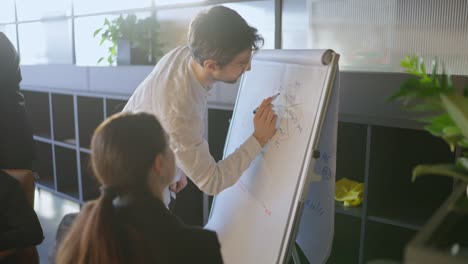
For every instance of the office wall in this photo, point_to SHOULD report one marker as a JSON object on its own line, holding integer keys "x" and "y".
{"x": 373, "y": 35}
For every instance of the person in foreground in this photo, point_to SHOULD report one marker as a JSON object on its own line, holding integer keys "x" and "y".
{"x": 219, "y": 49}
{"x": 20, "y": 229}
{"x": 129, "y": 223}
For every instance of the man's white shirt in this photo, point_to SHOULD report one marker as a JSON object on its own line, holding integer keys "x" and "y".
{"x": 173, "y": 93}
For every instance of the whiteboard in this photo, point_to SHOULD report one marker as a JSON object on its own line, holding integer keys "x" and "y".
{"x": 255, "y": 218}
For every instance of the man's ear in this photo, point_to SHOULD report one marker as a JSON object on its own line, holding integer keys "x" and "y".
{"x": 210, "y": 65}
{"x": 158, "y": 163}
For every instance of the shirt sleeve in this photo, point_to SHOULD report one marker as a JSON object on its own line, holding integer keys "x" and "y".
{"x": 23, "y": 227}
{"x": 194, "y": 158}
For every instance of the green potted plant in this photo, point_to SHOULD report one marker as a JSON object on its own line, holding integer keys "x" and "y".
{"x": 446, "y": 115}
{"x": 133, "y": 40}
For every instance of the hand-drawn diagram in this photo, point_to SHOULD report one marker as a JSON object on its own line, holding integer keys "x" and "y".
{"x": 289, "y": 111}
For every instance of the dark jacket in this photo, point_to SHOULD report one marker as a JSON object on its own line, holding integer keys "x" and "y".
{"x": 19, "y": 226}
{"x": 162, "y": 237}
{"x": 168, "y": 239}
{"x": 16, "y": 138}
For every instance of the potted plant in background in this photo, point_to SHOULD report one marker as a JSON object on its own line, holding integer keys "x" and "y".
{"x": 446, "y": 113}
{"x": 133, "y": 40}
{"x": 444, "y": 238}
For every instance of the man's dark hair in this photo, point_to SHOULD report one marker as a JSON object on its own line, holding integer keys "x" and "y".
{"x": 220, "y": 33}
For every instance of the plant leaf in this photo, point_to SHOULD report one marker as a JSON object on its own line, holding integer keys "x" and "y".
{"x": 422, "y": 66}
{"x": 434, "y": 130}
{"x": 437, "y": 124}
{"x": 442, "y": 120}
{"x": 100, "y": 59}
{"x": 451, "y": 131}
{"x": 406, "y": 62}
{"x": 142, "y": 33}
{"x": 96, "y": 32}
{"x": 457, "y": 108}
{"x": 411, "y": 63}
{"x": 449, "y": 170}
{"x": 113, "y": 51}
{"x": 102, "y": 40}
{"x": 452, "y": 142}
{"x": 462, "y": 164}
{"x": 463, "y": 143}
{"x": 443, "y": 126}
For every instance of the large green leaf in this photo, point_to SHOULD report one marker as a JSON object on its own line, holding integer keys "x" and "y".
{"x": 449, "y": 170}
{"x": 435, "y": 130}
{"x": 409, "y": 62}
{"x": 457, "y": 108}
{"x": 444, "y": 127}
{"x": 406, "y": 90}
{"x": 452, "y": 135}
{"x": 442, "y": 120}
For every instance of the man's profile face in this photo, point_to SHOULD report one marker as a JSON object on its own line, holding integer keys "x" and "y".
{"x": 232, "y": 71}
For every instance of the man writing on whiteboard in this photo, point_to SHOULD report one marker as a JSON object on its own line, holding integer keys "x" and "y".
{"x": 220, "y": 46}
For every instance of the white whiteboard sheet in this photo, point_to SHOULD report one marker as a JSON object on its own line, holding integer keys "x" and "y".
{"x": 253, "y": 218}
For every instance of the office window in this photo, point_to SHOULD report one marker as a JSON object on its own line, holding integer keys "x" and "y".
{"x": 45, "y": 42}
{"x": 373, "y": 35}
{"x": 88, "y": 50}
{"x": 261, "y": 15}
{"x": 171, "y": 2}
{"x": 35, "y": 9}
{"x": 175, "y": 22}
{"x": 174, "y": 25}
{"x": 10, "y": 32}
{"x": 7, "y": 11}
{"x": 92, "y": 6}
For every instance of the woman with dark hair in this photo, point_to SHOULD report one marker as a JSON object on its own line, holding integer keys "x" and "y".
{"x": 129, "y": 223}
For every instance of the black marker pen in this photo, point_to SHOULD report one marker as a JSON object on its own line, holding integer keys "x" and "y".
{"x": 274, "y": 97}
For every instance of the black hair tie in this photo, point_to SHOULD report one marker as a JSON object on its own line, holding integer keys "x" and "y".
{"x": 108, "y": 191}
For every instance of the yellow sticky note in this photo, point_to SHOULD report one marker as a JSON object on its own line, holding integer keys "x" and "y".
{"x": 348, "y": 191}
